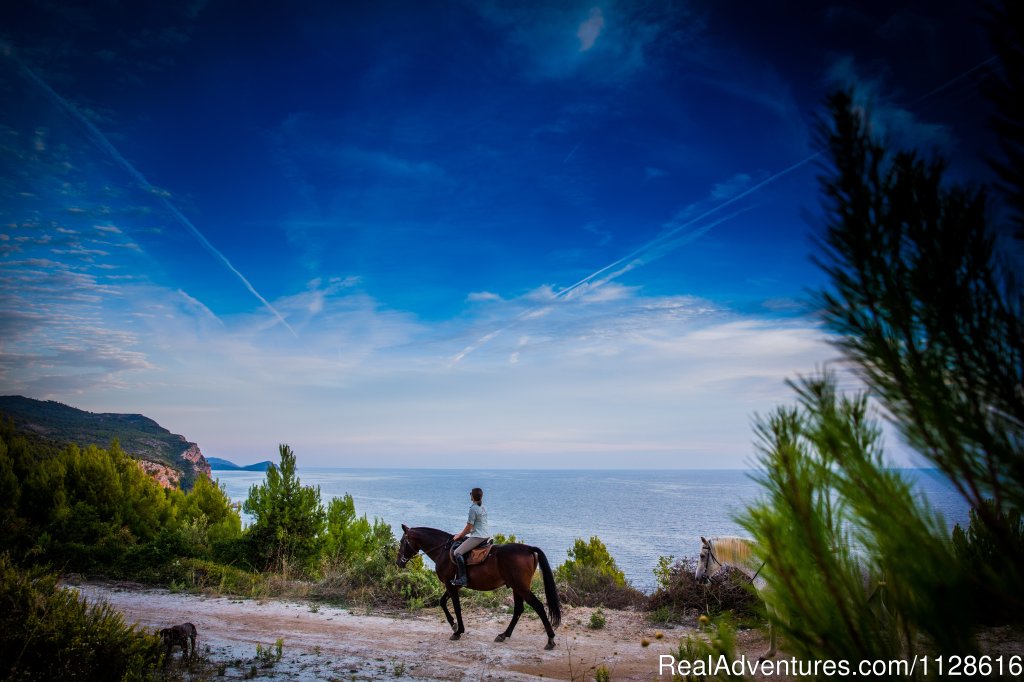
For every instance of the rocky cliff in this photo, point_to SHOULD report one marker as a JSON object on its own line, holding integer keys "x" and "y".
{"x": 164, "y": 475}
{"x": 166, "y": 456}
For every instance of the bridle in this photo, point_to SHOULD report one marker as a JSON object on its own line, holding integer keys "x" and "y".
{"x": 403, "y": 559}
{"x": 707, "y": 561}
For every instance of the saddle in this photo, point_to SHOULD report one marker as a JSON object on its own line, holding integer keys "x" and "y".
{"x": 478, "y": 554}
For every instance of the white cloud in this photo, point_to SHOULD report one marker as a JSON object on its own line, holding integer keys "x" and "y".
{"x": 605, "y": 376}
{"x": 590, "y": 29}
{"x": 610, "y": 42}
{"x": 887, "y": 119}
{"x": 482, "y": 297}
{"x": 392, "y": 165}
{"x": 731, "y": 187}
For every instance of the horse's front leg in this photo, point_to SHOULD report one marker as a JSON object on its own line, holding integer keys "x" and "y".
{"x": 517, "y": 611}
{"x": 454, "y": 593}
{"x": 771, "y": 637}
{"x": 447, "y": 613}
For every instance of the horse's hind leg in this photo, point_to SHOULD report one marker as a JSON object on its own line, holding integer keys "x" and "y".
{"x": 538, "y": 606}
{"x": 517, "y": 611}
{"x": 447, "y": 613}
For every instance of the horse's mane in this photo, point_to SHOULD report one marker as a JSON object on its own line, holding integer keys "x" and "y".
{"x": 730, "y": 549}
{"x": 435, "y": 533}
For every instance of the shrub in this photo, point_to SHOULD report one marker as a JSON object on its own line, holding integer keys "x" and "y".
{"x": 590, "y": 577}
{"x": 49, "y": 633}
{"x": 95, "y": 511}
{"x": 211, "y": 515}
{"x": 983, "y": 561}
{"x": 199, "y": 575}
{"x": 679, "y": 597}
{"x": 289, "y": 521}
{"x": 706, "y": 654}
{"x": 592, "y": 556}
{"x": 346, "y": 536}
{"x": 360, "y": 564}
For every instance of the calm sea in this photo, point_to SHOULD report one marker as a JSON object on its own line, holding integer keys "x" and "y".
{"x": 639, "y": 515}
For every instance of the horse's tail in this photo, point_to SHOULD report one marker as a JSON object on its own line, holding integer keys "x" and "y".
{"x": 550, "y": 590}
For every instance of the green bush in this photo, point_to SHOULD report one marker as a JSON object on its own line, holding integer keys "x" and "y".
{"x": 287, "y": 532}
{"x": 209, "y": 516}
{"x": 705, "y": 653}
{"x": 983, "y": 562}
{"x": 202, "y": 575}
{"x": 346, "y": 534}
{"x": 375, "y": 580}
{"x": 590, "y": 577}
{"x": 592, "y": 557}
{"x": 49, "y": 633}
{"x": 94, "y": 511}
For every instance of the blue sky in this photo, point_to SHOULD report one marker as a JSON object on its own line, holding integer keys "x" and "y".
{"x": 442, "y": 234}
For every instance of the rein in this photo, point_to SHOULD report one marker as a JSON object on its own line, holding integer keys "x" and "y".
{"x": 432, "y": 549}
{"x": 758, "y": 571}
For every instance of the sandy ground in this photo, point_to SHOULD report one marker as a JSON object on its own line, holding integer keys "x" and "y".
{"x": 327, "y": 643}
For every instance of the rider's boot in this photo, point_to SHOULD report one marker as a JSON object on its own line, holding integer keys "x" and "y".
{"x": 460, "y": 565}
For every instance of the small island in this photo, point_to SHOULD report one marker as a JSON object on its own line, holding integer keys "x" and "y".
{"x": 218, "y": 464}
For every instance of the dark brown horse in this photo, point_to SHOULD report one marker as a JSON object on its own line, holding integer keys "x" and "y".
{"x": 511, "y": 565}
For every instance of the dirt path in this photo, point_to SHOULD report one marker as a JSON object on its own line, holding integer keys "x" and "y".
{"x": 327, "y": 643}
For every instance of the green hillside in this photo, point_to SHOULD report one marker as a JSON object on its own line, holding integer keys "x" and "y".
{"x": 58, "y": 425}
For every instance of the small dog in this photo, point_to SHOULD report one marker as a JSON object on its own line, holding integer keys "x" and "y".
{"x": 183, "y": 635}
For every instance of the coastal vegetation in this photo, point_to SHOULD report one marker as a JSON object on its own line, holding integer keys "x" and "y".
{"x": 50, "y": 426}
{"x": 590, "y": 577}
{"x": 48, "y": 633}
{"x": 925, "y": 304}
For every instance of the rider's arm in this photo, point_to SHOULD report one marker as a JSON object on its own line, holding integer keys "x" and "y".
{"x": 464, "y": 532}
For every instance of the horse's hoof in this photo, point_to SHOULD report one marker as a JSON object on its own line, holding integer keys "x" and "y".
{"x": 550, "y": 645}
{"x": 455, "y": 628}
{"x": 455, "y": 636}
{"x": 499, "y": 638}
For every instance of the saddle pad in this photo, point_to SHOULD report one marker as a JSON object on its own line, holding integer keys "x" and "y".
{"x": 478, "y": 555}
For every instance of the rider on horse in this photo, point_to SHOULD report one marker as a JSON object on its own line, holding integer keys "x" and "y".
{"x": 475, "y": 533}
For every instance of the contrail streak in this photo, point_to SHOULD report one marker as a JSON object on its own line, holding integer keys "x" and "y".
{"x": 635, "y": 258}
{"x": 677, "y": 229}
{"x": 101, "y": 141}
{"x": 955, "y": 79}
{"x": 570, "y": 154}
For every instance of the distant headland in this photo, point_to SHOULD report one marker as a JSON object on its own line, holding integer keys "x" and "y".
{"x": 168, "y": 457}
{"x": 218, "y": 464}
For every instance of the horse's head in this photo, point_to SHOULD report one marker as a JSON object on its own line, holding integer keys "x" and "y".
{"x": 708, "y": 564}
{"x": 407, "y": 548}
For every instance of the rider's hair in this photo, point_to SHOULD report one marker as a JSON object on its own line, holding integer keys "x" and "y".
{"x": 478, "y": 495}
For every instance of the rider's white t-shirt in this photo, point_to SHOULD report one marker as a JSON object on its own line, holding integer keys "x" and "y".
{"x": 478, "y": 519}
